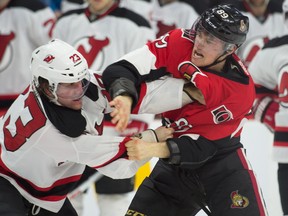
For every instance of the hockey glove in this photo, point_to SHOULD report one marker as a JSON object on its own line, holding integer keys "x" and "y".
{"x": 264, "y": 110}
{"x": 188, "y": 69}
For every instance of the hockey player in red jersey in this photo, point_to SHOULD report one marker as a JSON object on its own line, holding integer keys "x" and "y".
{"x": 270, "y": 73}
{"x": 53, "y": 132}
{"x": 204, "y": 164}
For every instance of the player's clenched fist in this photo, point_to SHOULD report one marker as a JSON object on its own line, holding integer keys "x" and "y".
{"x": 138, "y": 149}
{"x": 149, "y": 144}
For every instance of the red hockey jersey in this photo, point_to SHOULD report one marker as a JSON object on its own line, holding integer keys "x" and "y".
{"x": 229, "y": 94}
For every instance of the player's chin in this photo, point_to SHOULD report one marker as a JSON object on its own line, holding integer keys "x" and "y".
{"x": 76, "y": 104}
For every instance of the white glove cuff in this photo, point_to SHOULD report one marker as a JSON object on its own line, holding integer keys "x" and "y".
{"x": 147, "y": 135}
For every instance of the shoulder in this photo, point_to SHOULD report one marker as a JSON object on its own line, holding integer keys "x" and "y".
{"x": 130, "y": 15}
{"x": 276, "y": 42}
{"x": 33, "y": 5}
{"x": 275, "y": 6}
{"x": 72, "y": 12}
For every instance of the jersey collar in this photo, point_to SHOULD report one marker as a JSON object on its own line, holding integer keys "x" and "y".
{"x": 92, "y": 17}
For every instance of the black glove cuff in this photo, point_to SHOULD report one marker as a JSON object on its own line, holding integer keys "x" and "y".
{"x": 124, "y": 86}
{"x": 175, "y": 156}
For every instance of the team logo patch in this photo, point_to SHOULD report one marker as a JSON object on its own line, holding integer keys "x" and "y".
{"x": 243, "y": 26}
{"x": 238, "y": 201}
{"x": 221, "y": 114}
{"x": 134, "y": 213}
{"x": 49, "y": 59}
{"x": 6, "y": 50}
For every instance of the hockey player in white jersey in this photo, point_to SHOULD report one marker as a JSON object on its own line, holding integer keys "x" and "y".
{"x": 24, "y": 25}
{"x": 102, "y": 32}
{"x": 53, "y": 130}
{"x": 269, "y": 70}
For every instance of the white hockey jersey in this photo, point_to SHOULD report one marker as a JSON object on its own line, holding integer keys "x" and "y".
{"x": 144, "y": 8}
{"x": 105, "y": 38}
{"x": 24, "y": 25}
{"x": 260, "y": 32}
{"x": 172, "y": 15}
{"x": 269, "y": 69}
{"x": 44, "y": 163}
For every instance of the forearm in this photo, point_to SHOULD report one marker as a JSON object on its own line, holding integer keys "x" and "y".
{"x": 150, "y": 143}
{"x": 140, "y": 150}
{"x": 117, "y": 70}
{"x": 159, "y": 150}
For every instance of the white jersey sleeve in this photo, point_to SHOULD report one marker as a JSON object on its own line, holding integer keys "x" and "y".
{"x": 269, "y": 69}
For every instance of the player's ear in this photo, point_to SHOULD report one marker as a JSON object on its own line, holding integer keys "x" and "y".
{"x": 231, "y": 50}
{"x": 46, "y": 90}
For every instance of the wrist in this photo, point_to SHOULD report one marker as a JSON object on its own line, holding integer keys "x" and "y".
{"x": 160, "y": 150}
{"x": 148, "y": 136}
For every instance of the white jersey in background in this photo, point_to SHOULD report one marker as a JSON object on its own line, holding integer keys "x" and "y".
{"x": 104, "y": 39}
{"x": 141, "y": 7}
{"x": 269, "y": 69}
{"x": 67, "y": 5}
{"x": 172, "y": 15}
{"x": 24, "y": 25}
{"x": 262, "y": 30}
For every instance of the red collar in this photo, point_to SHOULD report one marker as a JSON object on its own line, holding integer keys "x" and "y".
{"x": 92, "y": 17}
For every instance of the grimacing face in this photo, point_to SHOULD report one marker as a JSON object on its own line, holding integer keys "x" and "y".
{"x": 70, "y": 95}
{"x": 207, "y": 48}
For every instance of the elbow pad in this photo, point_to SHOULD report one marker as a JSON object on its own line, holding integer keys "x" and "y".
{"x": 124, "y": 86}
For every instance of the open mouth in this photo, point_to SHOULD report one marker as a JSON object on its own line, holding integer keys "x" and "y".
{"x": 197, "y": 54}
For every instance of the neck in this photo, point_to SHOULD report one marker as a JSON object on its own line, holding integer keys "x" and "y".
{"x": 258, "y": 9}
{"x": 102, "y": 10}
{"x": 218, "y": 67}
{"x": 3, "y": 4}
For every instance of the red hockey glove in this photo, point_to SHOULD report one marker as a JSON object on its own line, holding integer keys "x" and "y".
{"x": 187, "y": 69}
{"x": 264, "y": 111}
